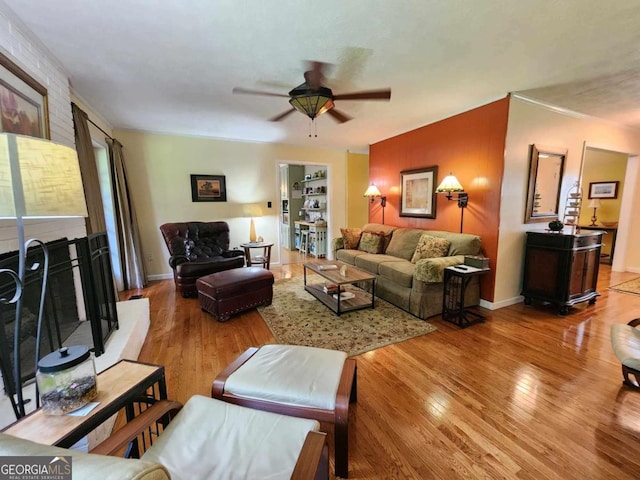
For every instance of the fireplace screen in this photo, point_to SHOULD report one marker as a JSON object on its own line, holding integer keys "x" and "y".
{"x": 79, "y": 309}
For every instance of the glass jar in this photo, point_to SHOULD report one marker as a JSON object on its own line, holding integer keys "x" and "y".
{"x": 66, "y": 380}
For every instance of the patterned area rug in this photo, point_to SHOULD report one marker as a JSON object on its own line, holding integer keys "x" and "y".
{"x": 296, "y": 318}
{"x": 630, "y": 286}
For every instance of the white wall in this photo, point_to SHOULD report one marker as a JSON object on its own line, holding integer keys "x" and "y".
{"x": 18, "y": 43}
{"x": 529, "y": 124}
{"x": 159, "y": 168}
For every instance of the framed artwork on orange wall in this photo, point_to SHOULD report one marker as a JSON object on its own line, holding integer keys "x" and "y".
{"x": 418, "y": 197}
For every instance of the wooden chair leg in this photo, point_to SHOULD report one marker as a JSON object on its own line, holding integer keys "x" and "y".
{"x": 341, "y": 446}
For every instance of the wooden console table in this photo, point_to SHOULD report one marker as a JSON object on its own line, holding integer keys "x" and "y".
{"x": 119, "y": 386}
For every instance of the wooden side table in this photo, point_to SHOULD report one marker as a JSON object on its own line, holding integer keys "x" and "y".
{"x": 119, "y": 386}
{"x": 263, "y": 258}
{"x": 456, "y": 280}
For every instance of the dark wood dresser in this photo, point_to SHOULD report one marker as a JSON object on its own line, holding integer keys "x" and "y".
{"x": 561, "y": 268}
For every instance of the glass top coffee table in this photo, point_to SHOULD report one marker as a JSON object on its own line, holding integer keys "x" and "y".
{"x": 339, "y": 278}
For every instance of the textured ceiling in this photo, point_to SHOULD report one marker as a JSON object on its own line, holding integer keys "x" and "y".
{"x": 170, "y": 66}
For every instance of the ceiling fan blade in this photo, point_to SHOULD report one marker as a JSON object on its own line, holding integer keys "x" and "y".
{"x": 339, "y": 116}
{"x": 277, "y": 118}
{"x": 247, "y": 91}
{"x": 365, "y": 95}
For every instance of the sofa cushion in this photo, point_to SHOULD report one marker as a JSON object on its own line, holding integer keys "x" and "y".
{"x": 350, "y": 237}
{"x": 399, "y": 272}
{"x": 349, "y": 256}
{"x": 371, "y": 242}
{"x": 461, "y": 243}
{"x": 403, "y": 242}
{"x": 371, "y": 262}
{"x": 430, "y": 247}
{"x": 384, "y": 229}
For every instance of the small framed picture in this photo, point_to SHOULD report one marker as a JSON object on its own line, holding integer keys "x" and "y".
{"x": 603, "y": 189}
{"x": 208, "y": 188}
{"x": 23, "y": 102}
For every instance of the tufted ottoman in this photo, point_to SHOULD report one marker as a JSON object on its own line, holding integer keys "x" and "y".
{"x": 226, "y": 293}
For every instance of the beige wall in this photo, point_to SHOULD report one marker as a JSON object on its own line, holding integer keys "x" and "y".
{"x": 357, "y": 183}
{"x": 528, "y": 124}
{"x": 159, "y": 168}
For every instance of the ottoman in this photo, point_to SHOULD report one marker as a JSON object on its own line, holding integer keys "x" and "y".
{"x": 226, "y": 293}
{"x": 299, "y": 381}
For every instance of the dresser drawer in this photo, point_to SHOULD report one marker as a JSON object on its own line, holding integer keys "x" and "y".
{"x": 587, "y": 240}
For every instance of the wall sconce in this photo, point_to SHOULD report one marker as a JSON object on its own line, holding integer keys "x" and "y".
{"x": 39, "y": 179}
{"x": 373, "y": 192}
{"x": 451, "y": 185}
{"x": 595, "y": 204}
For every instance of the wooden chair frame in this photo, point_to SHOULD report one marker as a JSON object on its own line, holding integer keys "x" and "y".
{"x": 347, "y": 393}
{"x": 313, "y": 461}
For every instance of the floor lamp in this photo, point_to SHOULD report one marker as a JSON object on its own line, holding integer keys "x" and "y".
{"x": 451, "y": 185}
{"x": 38, "y": 179}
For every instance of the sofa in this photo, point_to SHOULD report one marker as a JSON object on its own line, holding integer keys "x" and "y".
{"x": 408, "y": 263}
{"x": 198, "y": 249}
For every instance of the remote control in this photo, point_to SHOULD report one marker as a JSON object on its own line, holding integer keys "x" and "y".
{"x": 461, "y": 267}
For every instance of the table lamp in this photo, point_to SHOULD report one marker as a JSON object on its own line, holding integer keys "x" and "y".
{"x": 595, "y": 204}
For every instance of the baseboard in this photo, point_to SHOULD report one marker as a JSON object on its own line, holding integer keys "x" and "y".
{"x": 501, "y": 304}
{"x": 161, "y": 276}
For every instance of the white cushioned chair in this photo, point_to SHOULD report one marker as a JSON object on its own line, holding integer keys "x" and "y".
{"x": 625, "y": 340}
{"x": 205, "y": 439}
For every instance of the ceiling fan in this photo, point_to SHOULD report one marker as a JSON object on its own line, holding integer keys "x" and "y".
{"x": 313, "y": 99}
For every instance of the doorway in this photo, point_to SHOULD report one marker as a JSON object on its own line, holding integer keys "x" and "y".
{"x": 604, "y": 206}
{"x": 303, "y": 211}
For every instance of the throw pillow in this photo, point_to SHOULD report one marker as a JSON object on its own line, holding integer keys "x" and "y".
{"x": 351, "y": 237}
{"x": 430, "y": 247}
{"x": 371, "y": 242}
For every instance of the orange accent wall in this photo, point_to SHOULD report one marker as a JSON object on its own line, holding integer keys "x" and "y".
{"x": 471, "y": 146}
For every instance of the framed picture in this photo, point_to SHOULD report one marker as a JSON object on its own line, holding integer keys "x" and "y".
{"x": 603, "y": 189}
{"x": 208, "y": 188}
{"x": 418, "y": 197}
{"x": 23, "y": 102}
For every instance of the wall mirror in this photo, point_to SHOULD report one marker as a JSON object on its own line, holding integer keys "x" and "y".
{"x": 546, "y": 165}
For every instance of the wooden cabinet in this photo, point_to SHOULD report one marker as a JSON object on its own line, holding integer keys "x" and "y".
{"x": 561, "y": 268}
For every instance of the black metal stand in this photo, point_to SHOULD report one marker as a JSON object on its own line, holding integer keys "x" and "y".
{"x": 456, "y": 280}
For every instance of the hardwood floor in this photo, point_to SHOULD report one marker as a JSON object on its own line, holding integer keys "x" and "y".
{"x": 525, "y": 395}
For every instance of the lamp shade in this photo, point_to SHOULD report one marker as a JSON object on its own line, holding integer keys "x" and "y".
{"x": 449, "y": 184}
{"x": 39, "y": 178}
{"x": 312, "y": 103}
{"x": 372, "y": 191}
{"x": 594, "y": 203}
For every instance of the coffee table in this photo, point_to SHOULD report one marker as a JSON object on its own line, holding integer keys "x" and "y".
{"x": 331, "y": 272}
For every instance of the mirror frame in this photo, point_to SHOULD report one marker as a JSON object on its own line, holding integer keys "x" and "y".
{"x": 534, "y": 152}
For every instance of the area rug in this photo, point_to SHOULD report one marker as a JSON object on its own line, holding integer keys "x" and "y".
{"x": 630, "y": 286}
{"x": 295, "y": 317}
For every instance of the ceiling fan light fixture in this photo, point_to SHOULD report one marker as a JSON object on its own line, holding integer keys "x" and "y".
{"x": 312, "y": 104}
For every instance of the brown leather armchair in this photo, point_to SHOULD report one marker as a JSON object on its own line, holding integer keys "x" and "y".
{"x": 198, "y": 249}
